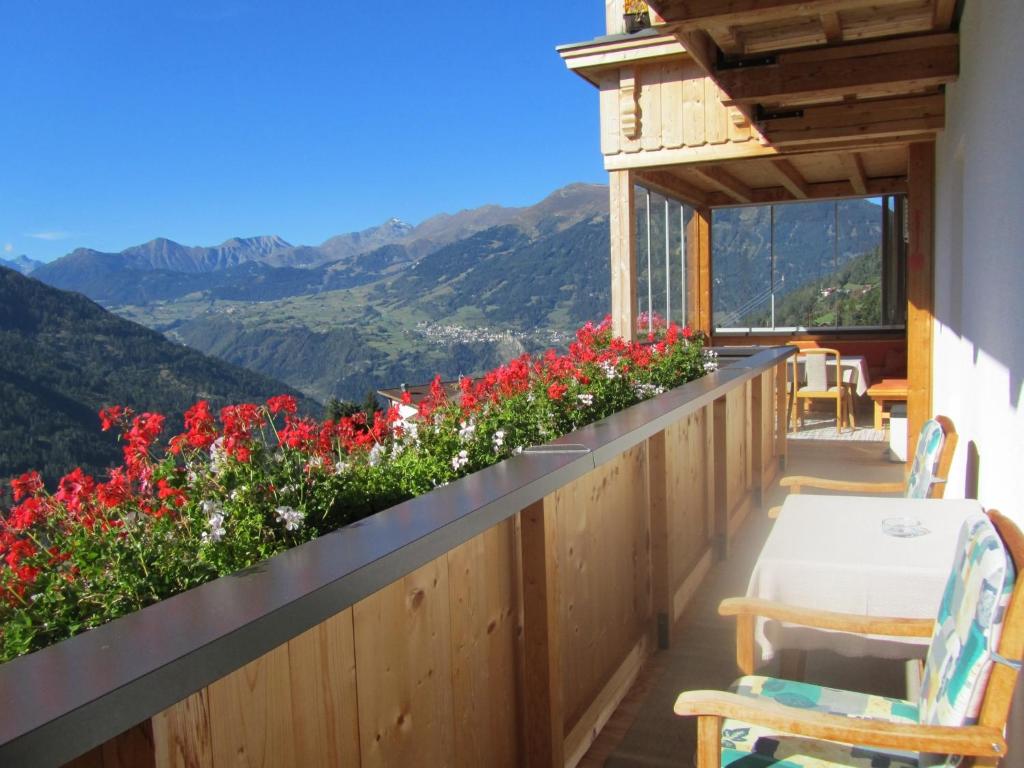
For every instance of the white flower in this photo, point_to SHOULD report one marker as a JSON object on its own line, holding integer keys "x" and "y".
{"x": 458, "y": 462}
{"x": 518, "y": 450}
{"x": 340, "y": 467}
{"x": 375, "y": 455}
{"x": 315, "y": 463}
{"x": 586, "y": 398}
{"x": 291, "y": 518}
{"x": 498, "y": 440}
{"x": 710, "y": 360}
{"x": 211, "y": 508}
{"x": 466, "y": 431}
{"x": 645, "y": 391}
{"x": 218, "y": 456}
{"x": 236, "y": 494}
{"x": 610, "y": 371}
{"x": 216, "y": 525}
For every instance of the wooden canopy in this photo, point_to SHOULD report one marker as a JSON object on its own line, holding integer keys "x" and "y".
{"x": 758, "y": 101}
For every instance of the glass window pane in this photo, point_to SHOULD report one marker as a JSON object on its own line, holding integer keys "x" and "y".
{"x": 658, "y": 265}
{"x": 804, "y": 264}
{"x": 741, "y": 267}
{"x": 644, "y": 288}
{"x": 859, "y": 269}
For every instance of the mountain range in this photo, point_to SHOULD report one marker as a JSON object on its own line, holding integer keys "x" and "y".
{"x": 455, "y": 295}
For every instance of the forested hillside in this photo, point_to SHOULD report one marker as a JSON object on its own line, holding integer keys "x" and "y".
{"x": 65, "y": 357}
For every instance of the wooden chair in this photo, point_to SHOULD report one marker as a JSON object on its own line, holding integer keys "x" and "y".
{"x": 970, "y": 673}
{"x": 817, "y": 387}
{"x": 933, "y": 456}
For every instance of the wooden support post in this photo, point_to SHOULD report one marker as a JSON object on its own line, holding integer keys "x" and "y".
{"x": 781, "y": 414}
{"x": 757, "y": 406}
{"x": 545, "y": 718}
{"x": 661, "y": 587}
{"x": 721, "y": 472}
{"x": 622, "y": 206}
{"x": 920, "y": 287}
{"x": 698, "y": 271}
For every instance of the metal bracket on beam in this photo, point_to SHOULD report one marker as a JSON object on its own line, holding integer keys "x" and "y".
{"x": 761, "y": 114}
{"x": 732, "y": 62}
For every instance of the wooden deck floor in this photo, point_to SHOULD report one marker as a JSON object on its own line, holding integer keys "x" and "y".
{"x": 643, "y": 731}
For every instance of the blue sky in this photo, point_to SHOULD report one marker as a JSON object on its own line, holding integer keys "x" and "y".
{"x": 199, "y": 121}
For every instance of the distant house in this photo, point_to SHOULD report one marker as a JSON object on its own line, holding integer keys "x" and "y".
{"x": 416, "y": 394}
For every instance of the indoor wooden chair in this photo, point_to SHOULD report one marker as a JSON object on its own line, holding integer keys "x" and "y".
{"x": 933, "y": 456}
{"x": 816, "y": 384}
{"x": 970, "y": 673}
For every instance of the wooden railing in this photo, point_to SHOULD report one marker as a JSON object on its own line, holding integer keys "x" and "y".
{"x": 497, "y": 621}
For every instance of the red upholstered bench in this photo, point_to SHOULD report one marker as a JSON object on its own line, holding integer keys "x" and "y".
{"x": 887, "y": 391}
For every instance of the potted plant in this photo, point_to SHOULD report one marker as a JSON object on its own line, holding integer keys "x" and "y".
{"x": 636, "y": 16}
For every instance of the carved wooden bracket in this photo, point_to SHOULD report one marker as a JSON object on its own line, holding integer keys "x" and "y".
{"x": 629, "y": 107}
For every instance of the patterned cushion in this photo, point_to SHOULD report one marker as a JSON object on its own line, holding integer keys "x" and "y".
{"x": 926, "y": 456}
{"x": 967, "y": 628}
{"x": 750, "y": 746}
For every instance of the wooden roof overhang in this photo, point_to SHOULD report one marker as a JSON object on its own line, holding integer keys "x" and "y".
{"x": 733, "y": 102}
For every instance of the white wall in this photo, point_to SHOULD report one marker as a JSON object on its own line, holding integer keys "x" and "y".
{"x": 979, "y": 258}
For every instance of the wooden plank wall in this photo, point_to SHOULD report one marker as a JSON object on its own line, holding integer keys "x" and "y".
{"x": 673, "y": 104}
{"x": 512, "y": 648}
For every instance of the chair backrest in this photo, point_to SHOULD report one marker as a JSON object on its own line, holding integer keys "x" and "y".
{"x": 980, "y": 607}
{"x": 932, "y": 458}
{"x": 816, "y": 368}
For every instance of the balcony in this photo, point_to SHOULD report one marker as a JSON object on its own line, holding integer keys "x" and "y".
{"x": 498, "y": 620}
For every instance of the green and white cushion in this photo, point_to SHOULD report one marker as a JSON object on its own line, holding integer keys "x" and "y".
{"x": 926, "y": 456}
{"x": 959, "y": 663}
{"x": 750, "y": 746}
{"x": 967, "y": 629}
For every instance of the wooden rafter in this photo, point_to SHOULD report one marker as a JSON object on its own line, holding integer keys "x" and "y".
{"x": 700, "y": 14}
{"x": 832, "y": 27}
{"x": 726, "y": 182}
{"x": 830, "y": 190}
{"x": 942, "y": 18}
{"x": 729, "y": 39}
{"x": 878, "y": 118}
{"x": 874, "y": 68}
{"x": 789, "y": 177}
{"x": 670, "y": 185}
{"x": 854, "y": 165}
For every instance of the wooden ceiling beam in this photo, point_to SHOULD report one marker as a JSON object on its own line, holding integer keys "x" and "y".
{"x": 942, "y": 18}
{"x": 729, "y": 39}
{"x": 861, "y": 119}
{"x": 830, "y": 190}
{"x": 670, "y": 185}
{"x": 856, "y": 144}
{"x": 854, "y": 165}
{"x": 832, "y": 26}
{"x": 726, "y": 182}
{"x": 900, "y": 65}
{"x": 701, "y": 14}
{"x": 789, "y": 177}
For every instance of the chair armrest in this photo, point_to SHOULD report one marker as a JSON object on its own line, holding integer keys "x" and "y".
{"x": 797, "y": 482}
{"x": 842, "y": 622}
{"x": 948, "y": 740}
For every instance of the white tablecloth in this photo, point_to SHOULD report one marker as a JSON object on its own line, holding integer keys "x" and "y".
{"x": 855, "y": 371}
{"x": 830, "y": 553}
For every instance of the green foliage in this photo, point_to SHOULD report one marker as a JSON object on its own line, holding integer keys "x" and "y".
{"x": 852, "y": 295}
{"x": 221, "y": 498}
